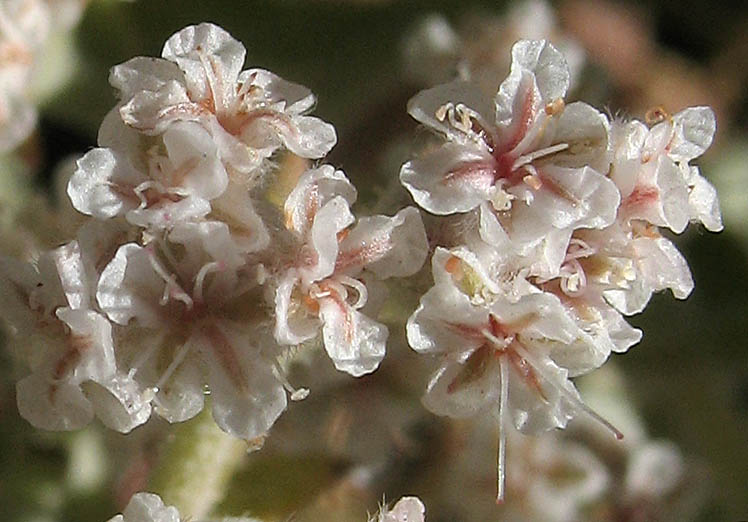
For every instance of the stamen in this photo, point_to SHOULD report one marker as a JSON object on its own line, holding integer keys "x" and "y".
{"x": 197, "y": 290}
{"x": 296, "y": 394}
{"x": 501, "y": 452}
{"x": 500, "y": 344}
{"x": 174, "y": 364}
{"x": 361, "y": 290}
{"x": 172, "y": 289}
{"x": 441, "y": 112}
{"x": 141, "y": 189}
{"x": 577, "y": 402}
{"x": 573, "y": 278}
{"x": 533, "y": 181}
{"x": 578, "y": 248}
{"x": 140, "y": 361}
{"x": 537, "y": 154}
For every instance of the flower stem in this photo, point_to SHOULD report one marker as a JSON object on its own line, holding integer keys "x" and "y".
{"x": 196, "y": 466}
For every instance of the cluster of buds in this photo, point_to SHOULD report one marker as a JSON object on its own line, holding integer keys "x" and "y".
{"x": 216, "y": 243}
{"x": 552, "y": 237}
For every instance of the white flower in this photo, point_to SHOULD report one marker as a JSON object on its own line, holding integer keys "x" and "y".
{"x": 189, "y": 308}
{"x": 172, "y": 186}
{"x": 68, "y": 347}
{"x": 528, "y": 161}
{"x": 651, "y": 169}
{"x": 249, "y": 113}
{"x": 407, "y": 509}
{"x": 502, "y": 356}
{"x": 325, "y": 284}
{"x": 24, "y": 26}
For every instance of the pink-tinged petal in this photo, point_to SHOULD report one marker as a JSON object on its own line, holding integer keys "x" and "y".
{"x": 147, "y": 507}
{"x": 207, "y": 238}
{"x": 193, "y": 153}
{"x": 99, "y": 241}
{"x": 431, "y": 107}
{"x": 323, "y": 241}
{"x": 407, "y": 509}
{"x": 115, "y": 135}
{"x": 151, "y": 112}
{"x": 627, "y": 141}
{"x": 18, "y": 121}
{"x": 582, "y": 198}
{"x": 490, "y": 229}
{"x": 294, "y": 321}
{"x": 585, "y": 130}
{"x": 355, "y": 343}
{"x": 620, "y": 332}
{"x": 453, "y": 178}
{"x": 235, "y": 208}
{"x": 183, "y": 395}
{"x": 388, "y": 247}
{"x": 703, "y": 202}
{"x": 211, "y": 60}
{"x": 548, "y": 255}
{"x": 479, "y": 386}
{"x": 539, "y": 75}
{"x": 89, "y": 349}
{"x": 167, "y": 214}
{"x": 537, "y": 394}
{"x": 631, "y": 300}
{"x": 119, "y": 403}
{"x": 673, "y": 195}
{"x": 52, "y": 405}
{"x": 308, "y": 137}
{"x": 538, "y": 316}
{"x": 693, "y": 131}
{"x": 295, "y": 98}
{"x": 663, "y": 266}
{"x": 578, "y": 198}
{"x": 313, "y": 190}
{"x": 17, "y": 281}
{"x": 72, "y": 274}
{"x": 103, "y": 184}
{"x": 246, "y": 397}
{"x": 143, "y": 74}
{"x": 130, "y": 288}
{"x": 446, "y": 321}
{"x": 546, "y": 63}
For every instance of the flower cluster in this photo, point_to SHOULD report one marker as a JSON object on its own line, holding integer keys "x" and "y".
{"x": 25, "y": 28}
{"x": 148, "y": 507}
{"x": 215, "y": 244}
{"x": 553, "y": 237}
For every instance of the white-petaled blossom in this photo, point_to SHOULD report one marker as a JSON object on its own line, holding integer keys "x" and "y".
{"x": 557, "y": 214}
{"x": 651, "y": 169}
{"x": 249, "y": 113}
{"x": 148, "y": 507}
{"x": 189, "y": 305}
{"x": 27, "y": 32}
{"x": 172, "y": 185}
{"x": 505, "y": 357}
{"x": 24, "y": 26}
{"x": 531, "y": 163}
{"x": 200, "y": 264}
{"x": 325, "y": 284}
{"x": 407, "y": 509}
{"x": 67, "y": 345}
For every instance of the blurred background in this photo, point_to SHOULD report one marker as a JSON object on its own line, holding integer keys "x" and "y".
{"x": 353, "y": 441}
